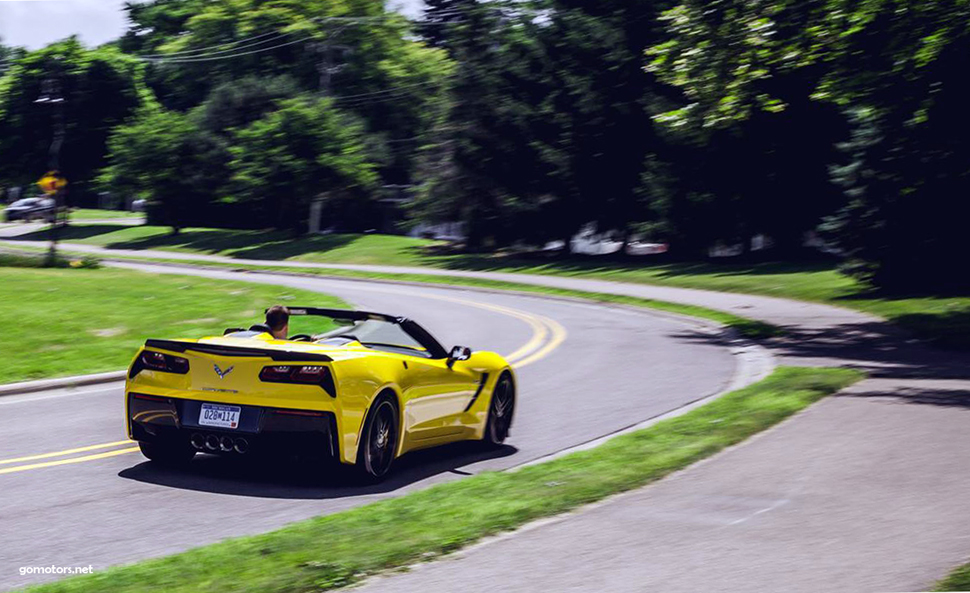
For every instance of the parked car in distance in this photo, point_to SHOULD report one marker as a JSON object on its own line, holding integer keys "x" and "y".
{"x": 29, "y": 209}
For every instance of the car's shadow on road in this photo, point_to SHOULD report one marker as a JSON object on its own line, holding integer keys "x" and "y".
{"x": 305, "y": 480}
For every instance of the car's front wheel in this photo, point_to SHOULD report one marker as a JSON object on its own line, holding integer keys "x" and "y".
{"x": 500, "y": 411}
{"x": 167, "y": 453}
{"x": 378, "y": 443}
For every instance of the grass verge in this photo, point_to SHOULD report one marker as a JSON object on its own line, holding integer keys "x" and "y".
{"x": 337, "y": 550}
{"x": 958, "y": 580}
{"x": 83, "y": 320}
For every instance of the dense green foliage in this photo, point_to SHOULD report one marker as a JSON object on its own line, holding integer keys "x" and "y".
{"x": 99, "y": 89}
{"x": 689, "y": 122}
{"x": 893, "y": 70}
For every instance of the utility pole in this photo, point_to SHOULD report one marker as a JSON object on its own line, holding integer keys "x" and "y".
{"x": 52, "y": 95}
{"x": 327, "y": 67}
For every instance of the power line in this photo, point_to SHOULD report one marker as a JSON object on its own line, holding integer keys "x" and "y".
{"x": 204, "y": 50}
{"x": 227, "y": 57}
{"x": 394, "y": 89}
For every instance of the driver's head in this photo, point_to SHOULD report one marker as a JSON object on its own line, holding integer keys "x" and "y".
{"x": 278, "y": 320}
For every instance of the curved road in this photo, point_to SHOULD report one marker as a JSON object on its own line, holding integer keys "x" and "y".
{"x": 74, "y": 493}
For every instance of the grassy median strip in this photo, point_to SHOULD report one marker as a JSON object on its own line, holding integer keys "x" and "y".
{"x": 337, "y": 550}
{"x": 75, "y": 320}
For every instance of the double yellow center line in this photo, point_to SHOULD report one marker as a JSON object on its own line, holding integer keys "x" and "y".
{"x": 65, "y": 453}
{"x": 547, "y": 334}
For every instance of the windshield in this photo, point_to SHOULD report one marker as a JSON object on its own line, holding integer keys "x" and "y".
{"x": 377, "y": 334}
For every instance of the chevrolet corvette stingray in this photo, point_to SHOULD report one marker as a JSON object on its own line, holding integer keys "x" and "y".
{"x": 364, "y": 393}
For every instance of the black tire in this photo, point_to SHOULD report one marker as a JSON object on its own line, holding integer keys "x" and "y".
{"x": 378, "y": 442}
{"x": 167, "y": 454}
{"x": 500, "y": 411}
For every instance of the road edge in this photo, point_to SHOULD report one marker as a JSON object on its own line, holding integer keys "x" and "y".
{"x": 22, "y": 387}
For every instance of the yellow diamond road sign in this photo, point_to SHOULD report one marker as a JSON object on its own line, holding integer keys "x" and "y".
{"x": 52, "y": 182}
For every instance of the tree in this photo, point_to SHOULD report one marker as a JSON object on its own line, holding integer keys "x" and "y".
{"x": 354, "y": 51}
{"x": 164, "y": 157}
{"x": 99, "y": 88}
{"x": 480, "y": 164}
{"x": 439, "y": 18}
{"x": 304, "y": 149}
{"x": 549, "y": 127}
{"x": 8, "y": 55}
{"x": 599, "y": 109}
{"x": 892, "y": 66}
{"x": 241, "y": 102}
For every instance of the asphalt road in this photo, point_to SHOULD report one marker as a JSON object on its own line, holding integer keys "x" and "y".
{"x": 584, "y": 371}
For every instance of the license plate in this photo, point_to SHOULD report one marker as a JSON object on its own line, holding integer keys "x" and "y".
{"x": 219, "y": 416}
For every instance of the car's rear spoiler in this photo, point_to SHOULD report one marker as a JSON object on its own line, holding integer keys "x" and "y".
{"x": 223, "y": 350}
{"x": 345, "y": 314}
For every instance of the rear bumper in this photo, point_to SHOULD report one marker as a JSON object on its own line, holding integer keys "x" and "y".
{"x": 261, "y": 430}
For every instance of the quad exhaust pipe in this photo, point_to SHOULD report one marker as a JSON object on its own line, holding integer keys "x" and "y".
{"x": 214, "y": 443}
{"x": 241, "y": 446}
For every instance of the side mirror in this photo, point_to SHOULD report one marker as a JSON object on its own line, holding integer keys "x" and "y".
{"x": 459, "y": 353}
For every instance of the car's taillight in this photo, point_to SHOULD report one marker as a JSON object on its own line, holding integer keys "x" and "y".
{"x": 156, "y": 361}
{"x": 299, "y": 374}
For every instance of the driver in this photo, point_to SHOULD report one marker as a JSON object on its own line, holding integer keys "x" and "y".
{"x": 278, "y": 321}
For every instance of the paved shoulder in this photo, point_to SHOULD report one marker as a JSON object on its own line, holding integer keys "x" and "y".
{"x": 862, "y": 492}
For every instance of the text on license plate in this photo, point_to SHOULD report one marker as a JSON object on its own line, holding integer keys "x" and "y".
{"x": 221, "y": 416}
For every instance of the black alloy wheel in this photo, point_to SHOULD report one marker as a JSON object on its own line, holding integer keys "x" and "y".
{"x": 379, "y": 444}
{"x": 500, "y": 411}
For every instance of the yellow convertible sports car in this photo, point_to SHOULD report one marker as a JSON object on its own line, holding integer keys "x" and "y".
{"x": 364, "y": 393}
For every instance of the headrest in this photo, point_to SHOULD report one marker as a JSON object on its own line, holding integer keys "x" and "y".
{"x": 260, "y": 327}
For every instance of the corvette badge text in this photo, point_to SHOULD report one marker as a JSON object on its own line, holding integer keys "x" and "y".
{"x": 52, "y": 569}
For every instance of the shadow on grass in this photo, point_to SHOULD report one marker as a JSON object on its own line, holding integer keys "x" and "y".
{"x": 287, "y": 248}
{"x": 69, "y": 233}
{"x": 262, "y": 244}
{"x": 881, "y": 349}
{"x": 242, "y": 244}
{"x": 950, "y": 329}
{"x": 663, "y": 266}
{"x": 290, "y": 479}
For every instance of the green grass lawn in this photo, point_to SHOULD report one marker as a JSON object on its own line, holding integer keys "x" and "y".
{"x": 77, "y": 321}
{"x": 945, "y": 319}
{"x": 337, "y": 550}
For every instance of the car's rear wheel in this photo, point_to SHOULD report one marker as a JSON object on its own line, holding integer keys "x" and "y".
{"x": 167, "y": 453}
{"x": 500, "y": 411}
{"x": 378, "y": 443}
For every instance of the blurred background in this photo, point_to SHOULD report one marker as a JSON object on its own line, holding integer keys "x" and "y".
{"x": 816, "y": 150}
{"x": 824, "y": 136}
